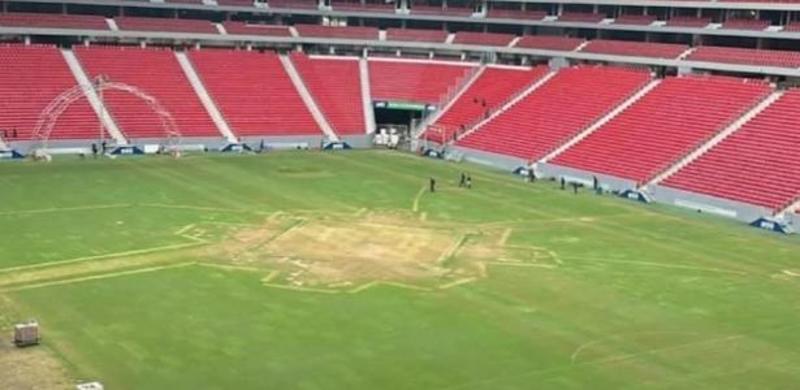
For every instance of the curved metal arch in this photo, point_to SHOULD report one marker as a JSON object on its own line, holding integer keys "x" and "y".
{"x": 50, "y": 114}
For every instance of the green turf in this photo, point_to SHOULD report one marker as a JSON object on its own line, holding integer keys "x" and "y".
{"x": 643, "y": 296}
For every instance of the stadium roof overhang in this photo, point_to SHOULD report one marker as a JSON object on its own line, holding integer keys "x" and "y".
{"x": 232, "y": 40}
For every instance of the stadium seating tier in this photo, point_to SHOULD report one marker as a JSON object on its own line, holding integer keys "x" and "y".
{"x": 758, "y": 164}
{"x": 663, "y": 126}
{"x": 254, "y": 93}
{"x": 335, "y": 85}
{"x": 412, "y": 81}
{"x": 492, "y": 88}
{"x": 30, "y": 78}
{"x": 157, "y": 73}
{"x": 559, "y": 109}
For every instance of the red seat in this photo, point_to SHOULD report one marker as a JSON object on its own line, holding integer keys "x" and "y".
{"x": 484, "y": 39}
{"x": 415, "y": 35}
{"x": 335, "y": 85}
{"x": 757, "y": 164}
{"x": 30, "y": 78}
{"x": 242, "y": 28}
{"x": 516, "y": 14}
{"x": 254, "y": 93}
{"x": 414, "y": 81}
{"x": 549, "y": 42}
{"x": 734, "y": 55}
{"x": 492, "y": 88}
{"x": 23, "y": 19}
{"x": 558, "y": 110}
{"x": 663, "y": 126}
{"x": 639, "y": 49}
{"x": 346, "y": 32}
{"x": 157, "y": 73}
{"x": 165, "y": 24}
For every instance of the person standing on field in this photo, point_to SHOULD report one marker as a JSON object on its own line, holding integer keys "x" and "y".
{"x": 432, "y": 185}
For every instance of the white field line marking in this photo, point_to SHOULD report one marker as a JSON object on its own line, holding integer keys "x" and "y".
{"x": 611, "y": 359}
{"x": 362, "y": 287}
{"x": 791, "y": 273}
{"x": 415, "y": 207}
{"x": 457, "y": 283}
{"x": 376, "y": 283}
{"x": 653, "y": 264}
{"x": 583, "y": 346}
{"x": 272, "y": 275}
{"x": 504, "y": 238}
{"x": 98, "y": 277}
{"x": 580, "y": 349}
{"x": 531, "y": 265}
{"x": 360, "y": 212}
{"x": 200, "y": 208}
{"x": 301, "y": 289}
{"x": 423, "y": 216}
{"x": 197, "y": 240}
{"x": 60, "y": 209}
{"x": 185, "y": 229}
{"x": 452, "y": 250}
{"x": 228, "y": 267}
{"x": 105, "y": 256}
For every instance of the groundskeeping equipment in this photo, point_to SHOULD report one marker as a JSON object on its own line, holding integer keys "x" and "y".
{"x": 26, "y": 334}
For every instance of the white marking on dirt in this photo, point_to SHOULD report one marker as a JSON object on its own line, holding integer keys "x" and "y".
{"x": 457, "y": 283}
{"x": 791, "y": 273}
{"x": 229, "y": 267}
{"x": 423, "y": 216}
{"x": 301, "y": 289}
{"x": 506, "y": 235}
{"x": 532, "y": 265}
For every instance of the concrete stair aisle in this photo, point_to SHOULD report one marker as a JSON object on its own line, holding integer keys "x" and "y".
{"x": 93, "y": 98}
{"x": 725, "y": 133}
{"x": 366, "y": 96}
{"x": 510, "y": 103}
{"x": 602, "y": 121}
{"x": 305, "y": 95}
{"x": 205, "y": 97}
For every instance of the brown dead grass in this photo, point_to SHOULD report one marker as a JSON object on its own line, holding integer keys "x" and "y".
{"x": 30, "y": 368}
{"x": 342, "y": 250}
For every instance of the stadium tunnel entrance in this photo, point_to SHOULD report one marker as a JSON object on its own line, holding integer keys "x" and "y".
{"x": 395, "y": 121}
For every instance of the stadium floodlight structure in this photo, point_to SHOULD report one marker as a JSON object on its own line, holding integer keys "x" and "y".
{"x": 101, "y": 83}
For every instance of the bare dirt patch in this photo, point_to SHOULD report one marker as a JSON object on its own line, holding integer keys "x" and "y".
{"x": 30, "y": 368}
{"x": 328, "y": 250}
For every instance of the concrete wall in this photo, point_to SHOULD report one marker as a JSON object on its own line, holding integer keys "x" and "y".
{"x": 607, "y": 181}
{"x": 709, "y": 204}
{"x": 495, "y": 160}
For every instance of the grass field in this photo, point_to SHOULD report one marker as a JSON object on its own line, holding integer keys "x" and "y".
{"x": 340, "y": 271}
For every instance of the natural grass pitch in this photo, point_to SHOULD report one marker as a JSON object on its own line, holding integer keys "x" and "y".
{"x": 308, "y": 270}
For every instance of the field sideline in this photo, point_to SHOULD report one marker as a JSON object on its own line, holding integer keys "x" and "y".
{"x": 308, "y": 270}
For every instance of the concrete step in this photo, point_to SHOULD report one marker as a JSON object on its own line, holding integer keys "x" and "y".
{"x": 205, "y": 97}
{"x": 92, "y": 97}
{"x": 602, "y": 121}
{"x": 725, "y": 133}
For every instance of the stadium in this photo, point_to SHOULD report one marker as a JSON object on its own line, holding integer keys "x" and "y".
{"x": 400, "y": 194}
